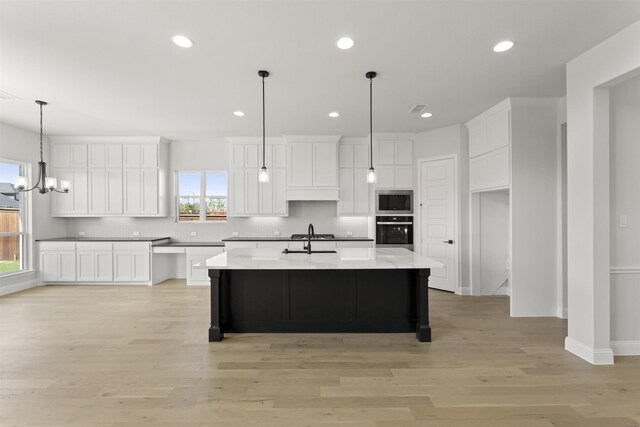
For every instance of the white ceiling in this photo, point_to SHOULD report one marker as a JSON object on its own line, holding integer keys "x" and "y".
{"x": 110, "y": 68}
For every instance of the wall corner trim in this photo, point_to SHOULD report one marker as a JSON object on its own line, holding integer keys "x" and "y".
{"x": 595, "y": 356}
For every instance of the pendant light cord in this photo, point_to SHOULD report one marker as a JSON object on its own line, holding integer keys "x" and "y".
{"x": 371, "y": 122}
{"x": 41, "y": 132}
{"x": 263, "y": 124}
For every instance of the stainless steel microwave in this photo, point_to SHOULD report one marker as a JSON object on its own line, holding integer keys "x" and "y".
{"x": 394, "y": 202}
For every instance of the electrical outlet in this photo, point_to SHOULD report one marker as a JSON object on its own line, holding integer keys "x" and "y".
{"x": 623, "y": 221}
{"x": 349, "y": 233}
{"x": 81, "y": 233}
{"x": 193, "y": 233}
{"x": 234, "y": 234}
{"x": 276, "y": 233}
{"x": 136, "y": 233}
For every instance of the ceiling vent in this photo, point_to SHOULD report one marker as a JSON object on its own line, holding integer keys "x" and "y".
{"x": 8, "y": 97}
{"x": 418, "y": 108}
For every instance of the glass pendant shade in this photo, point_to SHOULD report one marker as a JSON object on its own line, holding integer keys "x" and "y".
{"x": 371, "y": 176}
{"x": 264, "y": 175}
{"x": 64, "y": 184}
{"x": 50, "y": 182}
{"x": 20, "y": 182}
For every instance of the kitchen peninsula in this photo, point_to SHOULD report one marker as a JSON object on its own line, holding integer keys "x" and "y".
{"x": 347, "y": 290}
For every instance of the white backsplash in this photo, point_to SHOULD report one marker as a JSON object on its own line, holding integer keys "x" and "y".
{"x": 321, "y": 214}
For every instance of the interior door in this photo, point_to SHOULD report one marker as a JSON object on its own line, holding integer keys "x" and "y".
{"x": 438, "y": 218}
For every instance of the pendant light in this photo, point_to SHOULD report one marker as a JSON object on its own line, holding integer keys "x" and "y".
{"x": 264, "y": 173}
{"x": 371, "y": 174}
{"x": 45, "y": 183}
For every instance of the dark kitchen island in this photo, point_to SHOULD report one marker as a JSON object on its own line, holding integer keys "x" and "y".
{"x": 351, "y": 290}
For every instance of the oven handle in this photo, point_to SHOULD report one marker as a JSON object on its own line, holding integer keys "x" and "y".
{"x": 394, "y": 223}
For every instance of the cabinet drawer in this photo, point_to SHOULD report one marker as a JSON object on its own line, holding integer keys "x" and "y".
{"x": 94, "y": 246}
{"x": 131, "y": 246}
{"x": 169, "y": 250}
{"x": 57, "y": 246}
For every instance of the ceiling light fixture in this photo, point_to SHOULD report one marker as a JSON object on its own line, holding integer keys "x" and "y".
{"x": 45, "y": 183}
{"x": 238, "y": 113}
{"x": 503, "y": 46}
{"x": 182, "y": 41}
{"x": 345, "y": 43}
{"x": 334, "y": 114}
{"x": 264, "y": 174}
{"x": 426, "y": 115}
{"x": 371, "y": 174}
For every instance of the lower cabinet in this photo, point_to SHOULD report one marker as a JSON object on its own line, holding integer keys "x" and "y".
{"x": 131, "y": 266}
{"x": 195, "y": 256}
{"x": 95, "y": 262}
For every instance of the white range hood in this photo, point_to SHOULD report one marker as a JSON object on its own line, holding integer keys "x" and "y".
{"x": 312, "y": 167}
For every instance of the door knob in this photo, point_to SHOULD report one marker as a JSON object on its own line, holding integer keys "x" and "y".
{"x": 448, "y": 241}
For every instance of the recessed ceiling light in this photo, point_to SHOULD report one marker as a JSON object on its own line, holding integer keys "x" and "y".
{"x": 182, "y": 41}
{"x": 334, "y": 114}
{"x": 503, "y": 46}
{"x": 238, "y": 113}
{"x": 426, "y": 115}
{"x": 345, "y": 43}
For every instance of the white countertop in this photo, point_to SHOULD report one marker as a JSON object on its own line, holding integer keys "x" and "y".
{"x": 344, "y": 259}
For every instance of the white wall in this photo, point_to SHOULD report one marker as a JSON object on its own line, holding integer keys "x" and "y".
{"x": 442, "y": 142}
{"x": 625, "y": 200}
{"x": 561, "y": 142}
{"x": 24, "y": 146}
{"x": 588, "y": 78}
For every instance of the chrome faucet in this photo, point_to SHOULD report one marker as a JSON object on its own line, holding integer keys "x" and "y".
{"x": 310, "y": 233}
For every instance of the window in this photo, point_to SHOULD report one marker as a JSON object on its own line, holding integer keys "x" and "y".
{"x": 13, "y": 223}
{"x": 202, "y": 196}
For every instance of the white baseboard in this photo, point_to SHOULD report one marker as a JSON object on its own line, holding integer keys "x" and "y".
{"x": 625, "y": 348}
{"x": 562, "y": 312}
{"x": 464, "y": 291}
{"x": 17, "y": 287}
{"x": 595, "y": 356}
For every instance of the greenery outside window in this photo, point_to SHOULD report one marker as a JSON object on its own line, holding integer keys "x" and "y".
{"x": 13, "y": 220}
{"x": 201, "y": 196}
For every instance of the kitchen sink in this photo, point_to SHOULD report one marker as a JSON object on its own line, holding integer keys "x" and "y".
{"x": 287, "y": 251}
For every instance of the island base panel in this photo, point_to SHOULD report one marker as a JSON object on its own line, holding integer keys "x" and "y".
{"x": 317, "y": 301}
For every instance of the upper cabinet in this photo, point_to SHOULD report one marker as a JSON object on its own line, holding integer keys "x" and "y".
{"x": 489, "y": 149}
{"x": 393, "y": 161}
{"x": 117, "y": 176}
{"x": 354, "y": 189}
{"x": 312, "y": 167}
{"x": 248, "y": 196}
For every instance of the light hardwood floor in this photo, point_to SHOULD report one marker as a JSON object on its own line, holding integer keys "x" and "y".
{"x": 135, "y": 356}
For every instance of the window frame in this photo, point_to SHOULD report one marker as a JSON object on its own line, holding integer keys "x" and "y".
{"x": 25, "y": 233}
{"x": 201, "y": 197}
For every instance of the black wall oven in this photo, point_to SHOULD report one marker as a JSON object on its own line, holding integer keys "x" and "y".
{"x": 394, "y": 232}
{"x": 394, "y": 202}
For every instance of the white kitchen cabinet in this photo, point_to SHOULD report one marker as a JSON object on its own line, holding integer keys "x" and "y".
{"x": 394, "y": 163}
{"x": 75, "y": 202}
{"x": 351, "y": 244}
{"x": 57, "y": 262}
{"x": 240, "y": 245}
{"x": 111, "y": 176}
{"x": 312, "y": 172}
{"x": 69, "y": 155}
{"x": 403, "y": 153}
{"x": 490, "y": 171}
{"x": 403, "y": 177}
{"x": 385, "y": 152}
{"x": 94, "y": 262}
{"x": 354, "y": 188}
{"x": 477, "y": 139}
{"x": 140, "y": 191}
{"x": 498, "y": 130}
{"x": 386, "y": 176}
{"x": 248, "y": 196}
{"x": 131, "y": 266}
